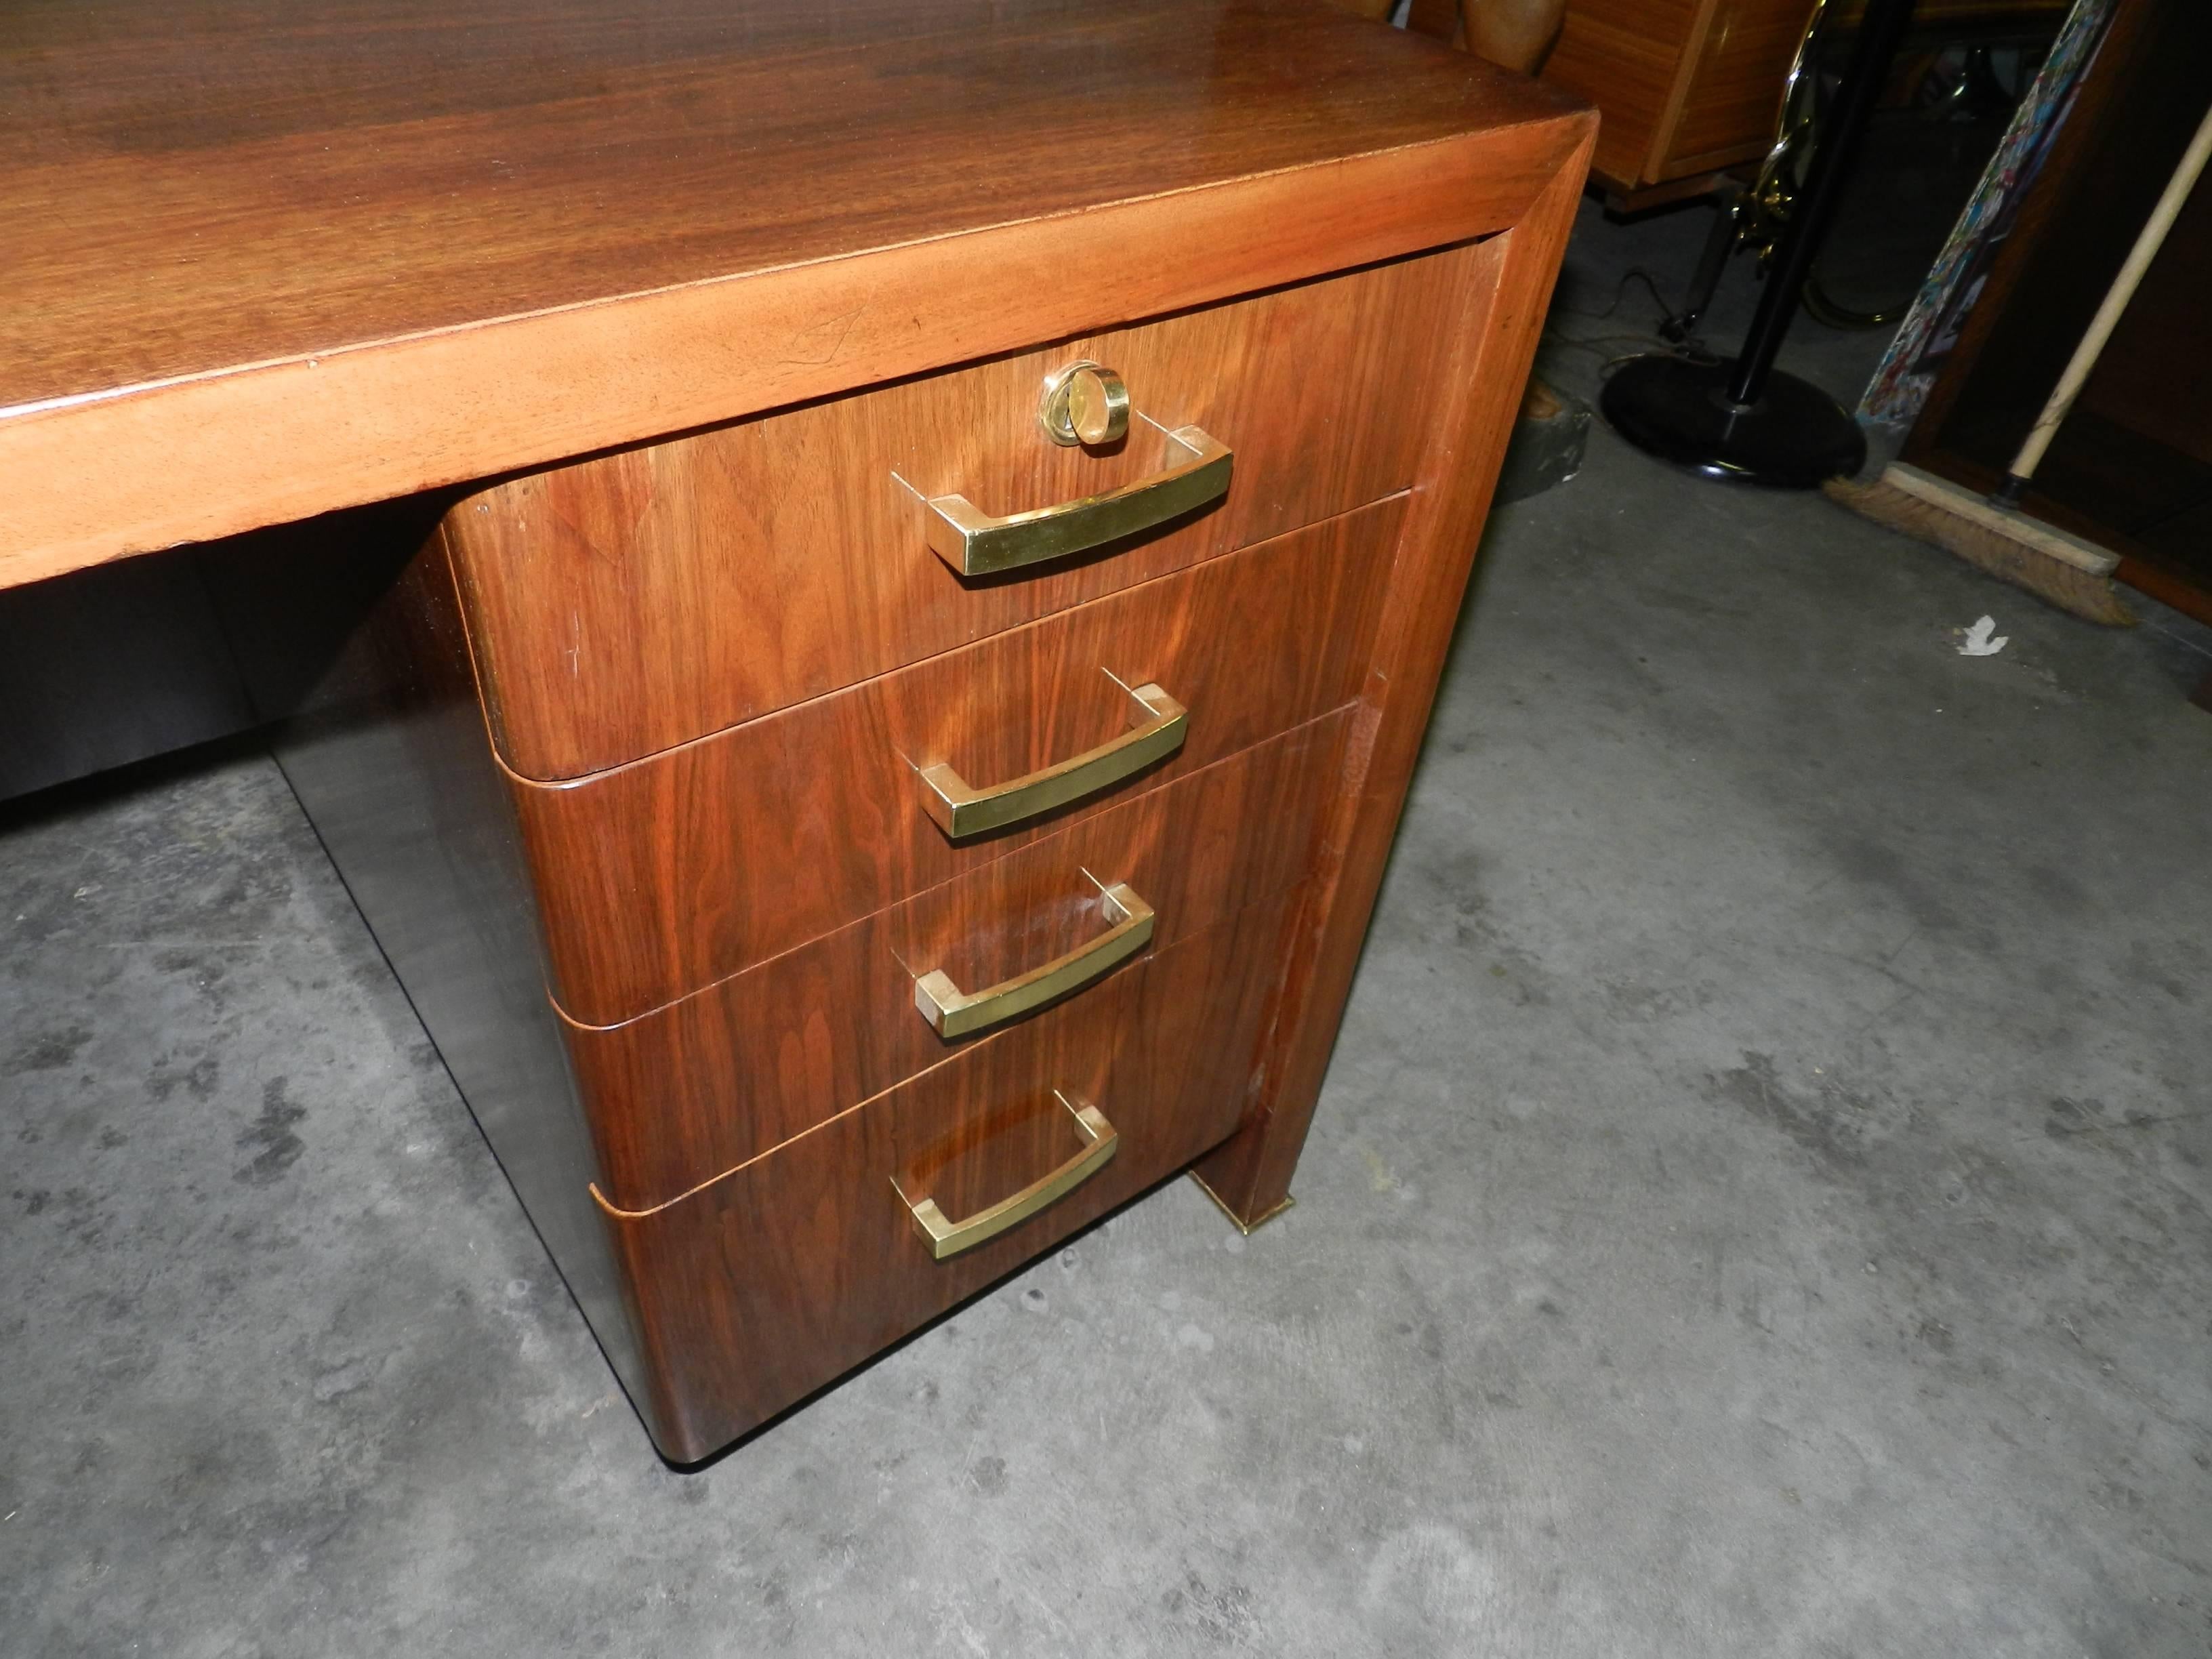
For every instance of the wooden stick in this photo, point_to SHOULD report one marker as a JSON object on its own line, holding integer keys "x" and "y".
{"x": 2123, "y": 286}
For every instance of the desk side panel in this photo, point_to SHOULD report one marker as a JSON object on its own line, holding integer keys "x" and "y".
{"x": 348, "y": 634}
{"x": 1509, "y": 284}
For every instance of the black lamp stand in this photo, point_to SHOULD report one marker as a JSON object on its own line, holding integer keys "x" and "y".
{"x": 1745, "y": 421}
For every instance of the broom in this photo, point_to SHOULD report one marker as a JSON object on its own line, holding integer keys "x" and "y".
{"x": 1991, "y": 530}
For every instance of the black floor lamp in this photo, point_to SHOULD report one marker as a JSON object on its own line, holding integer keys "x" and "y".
{"x": 1745, "y": 420}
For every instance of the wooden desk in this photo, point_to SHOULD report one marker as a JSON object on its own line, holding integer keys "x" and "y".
{"x": 576, "y": 408}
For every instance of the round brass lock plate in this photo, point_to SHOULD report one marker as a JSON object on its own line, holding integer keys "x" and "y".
{"x": 1085, "y": 403}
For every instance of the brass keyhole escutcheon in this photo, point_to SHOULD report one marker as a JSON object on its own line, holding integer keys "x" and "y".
{"x": 1085, "y": 403}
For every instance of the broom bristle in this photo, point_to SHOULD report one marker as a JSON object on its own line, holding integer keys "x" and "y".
{"x": 2093, "y": 597}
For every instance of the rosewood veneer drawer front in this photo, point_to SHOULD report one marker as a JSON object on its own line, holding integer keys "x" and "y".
{"x": 752, "y": 1291}
{"x": 625, "y": 605}
{"x": 662, "y": 877}
{"x": 701, "y": 1086}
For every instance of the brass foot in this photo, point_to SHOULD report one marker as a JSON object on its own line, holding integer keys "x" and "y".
{"x": 1246, "y": 1228}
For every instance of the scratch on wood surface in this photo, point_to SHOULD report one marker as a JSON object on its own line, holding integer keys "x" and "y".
{"x": 813, "y": 346}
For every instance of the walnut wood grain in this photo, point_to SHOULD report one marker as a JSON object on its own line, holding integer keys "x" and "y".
{"x": 1731, "y": 94}
{"x": 706, "y": 1084}
{"x": 1503, "y": 314}
{"x": 1627, "y": 57}
{"x": 628, "y": 604}
{"x": 661, "y": 877}
{"x": 1686, "y": 87}
{"x": 288, "y": 257}
{"x": 752, "y": 1292}
{"x": 276, "y": 259}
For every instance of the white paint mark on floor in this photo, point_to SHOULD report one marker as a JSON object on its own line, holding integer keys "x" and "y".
{"x": 1977, "y": 642}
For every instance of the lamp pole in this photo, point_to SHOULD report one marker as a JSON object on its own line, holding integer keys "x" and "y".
{"x": 1744, "y": 420}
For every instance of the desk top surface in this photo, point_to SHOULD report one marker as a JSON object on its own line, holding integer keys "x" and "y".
{"x": 198, "y": 189}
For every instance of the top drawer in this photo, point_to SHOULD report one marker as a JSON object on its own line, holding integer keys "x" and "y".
{"x": 622, "y": 606}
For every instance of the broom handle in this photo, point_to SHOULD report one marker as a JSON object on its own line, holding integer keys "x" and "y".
{"x": 2108, "y": 314}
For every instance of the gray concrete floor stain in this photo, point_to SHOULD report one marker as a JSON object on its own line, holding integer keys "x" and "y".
{"x": 1758, "y": 1208}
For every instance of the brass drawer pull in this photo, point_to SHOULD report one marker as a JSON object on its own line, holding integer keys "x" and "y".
{"x": 1156, "y": 726}
{"x": 955, "y": 1013}
{"x": 947, "y": 1238}
{"x": 974, "y": 543}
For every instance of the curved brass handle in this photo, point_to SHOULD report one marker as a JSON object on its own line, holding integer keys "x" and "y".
{"x": 1157, "y": 724}
{"x": 974, "y": 543}
{"x": 956, "y": 1012}
{"x": 947, "y": 1237}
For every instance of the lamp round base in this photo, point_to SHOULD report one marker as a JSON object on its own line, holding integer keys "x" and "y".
{"x": 1795, "y": 437}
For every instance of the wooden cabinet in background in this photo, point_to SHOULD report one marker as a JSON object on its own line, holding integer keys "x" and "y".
{"x": 1686, "y": 89}
{"x": 1692, "y": 88}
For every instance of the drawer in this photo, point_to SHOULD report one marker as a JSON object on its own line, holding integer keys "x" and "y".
{"x": 752, "y": 1291}
{"x": 622, "y": 606}
{"x": 662, "y": 877}
{"x": 701, "y": 1086}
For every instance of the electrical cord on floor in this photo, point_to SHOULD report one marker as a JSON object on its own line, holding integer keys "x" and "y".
{"x": 1634, "y": 274}
{"x": 1690, "y": 348}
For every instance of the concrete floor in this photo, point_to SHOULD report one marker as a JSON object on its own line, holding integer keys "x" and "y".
{"x": 1759, "y": 1206}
